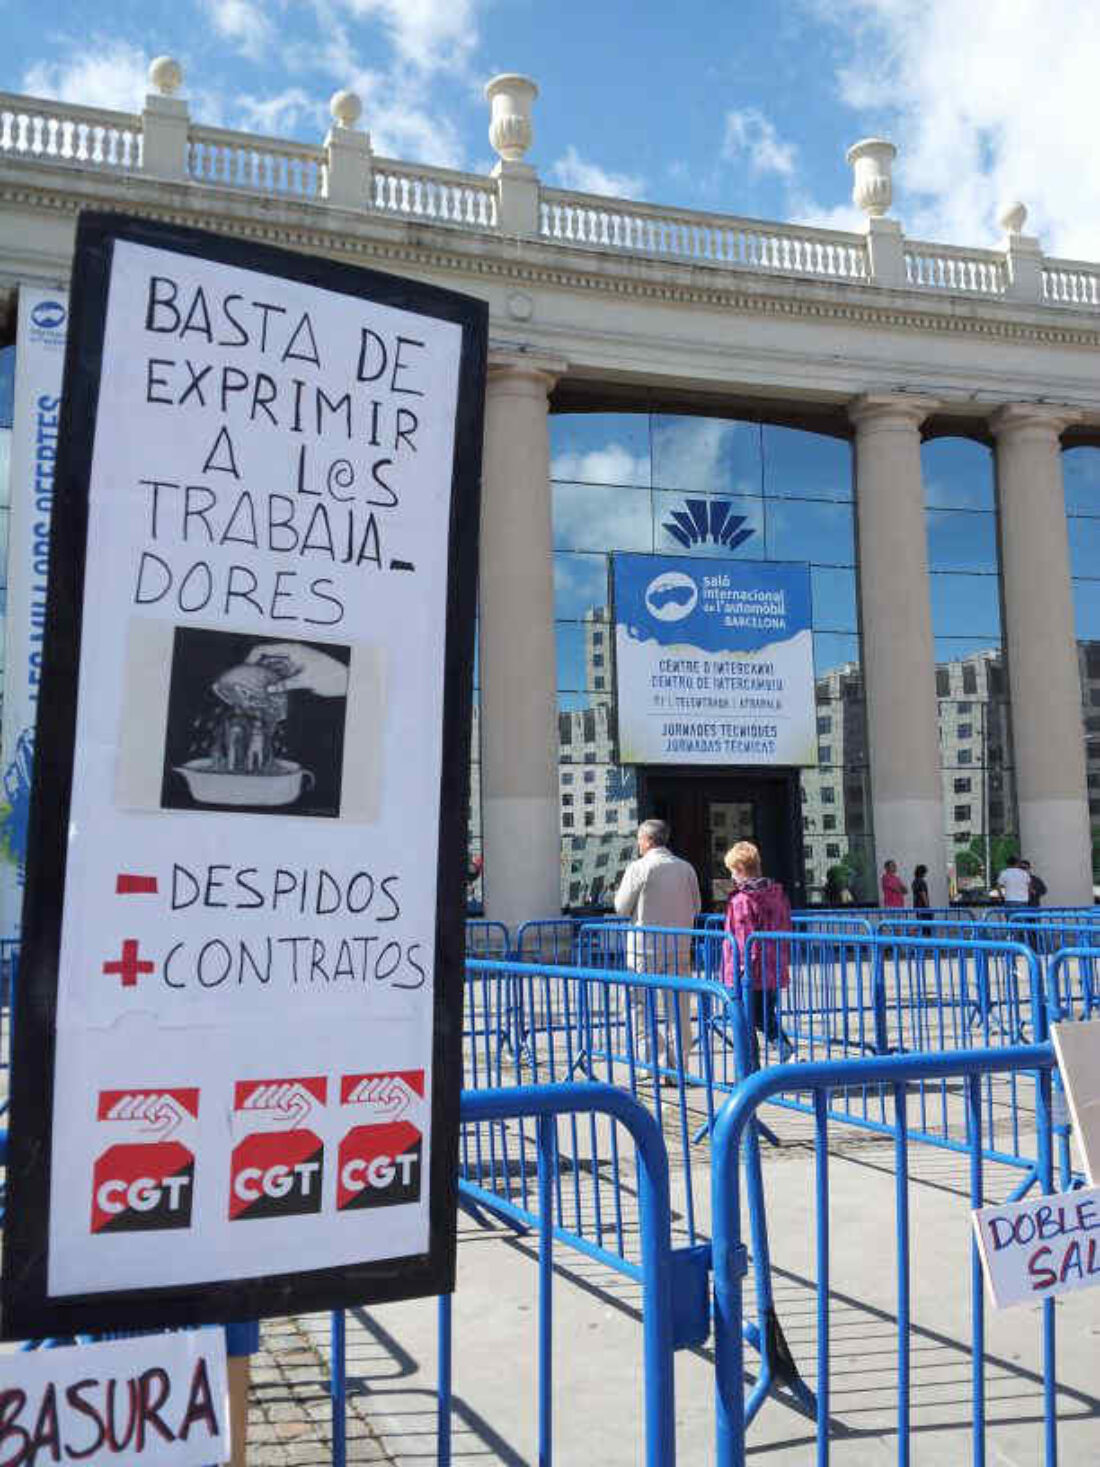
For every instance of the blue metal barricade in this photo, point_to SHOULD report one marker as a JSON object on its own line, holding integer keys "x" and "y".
{"x": 487, "y": 939}
{"x": 673, "y": 1281}
{"x": 822, "y": 1081}
{"x": 1073, "y": 983}
{"x": 547, "y": 940}
{"x": 855, "y": 995}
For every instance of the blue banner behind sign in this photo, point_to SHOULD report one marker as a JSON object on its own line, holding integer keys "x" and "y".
{"x": 714, "y": 661}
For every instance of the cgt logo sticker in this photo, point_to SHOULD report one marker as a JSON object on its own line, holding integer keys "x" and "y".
{"x": 380, "y": 1160}
{"x": 278, "y": 1166}
{"x": 145, "y": 1181}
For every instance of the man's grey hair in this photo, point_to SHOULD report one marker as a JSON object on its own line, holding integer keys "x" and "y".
{"x": 655, "y": 831}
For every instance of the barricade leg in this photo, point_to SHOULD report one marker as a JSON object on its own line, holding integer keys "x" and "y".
{"x": 443, "y": 1386}
{"x": 339, "y": 1388}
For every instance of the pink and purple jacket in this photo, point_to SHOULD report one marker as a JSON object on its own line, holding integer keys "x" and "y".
{"x": 759, "y": 906}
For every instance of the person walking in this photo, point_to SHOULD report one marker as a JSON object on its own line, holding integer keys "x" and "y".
{"x": 1014, "y": 883}
{"x": 921, "y": 902}
{"x": 757, "y": 904}
{"x": 659, "y": 889}
{"x": 1036, "y": 886}
{"x": 893, "y": 888}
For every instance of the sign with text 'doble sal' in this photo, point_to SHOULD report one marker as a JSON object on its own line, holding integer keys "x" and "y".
{"x": 236, "y": 1074}
{"x": 1040, "y": 1247}
{"x": 713, "y": 661}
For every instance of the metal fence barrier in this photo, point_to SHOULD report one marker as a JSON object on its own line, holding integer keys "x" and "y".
{"x": 822, "y": 1081}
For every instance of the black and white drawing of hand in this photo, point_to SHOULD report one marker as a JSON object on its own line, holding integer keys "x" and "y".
{"x": 306, "y": 669}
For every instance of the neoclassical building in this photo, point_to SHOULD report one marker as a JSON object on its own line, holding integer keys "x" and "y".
{"x": 917, "y": 425}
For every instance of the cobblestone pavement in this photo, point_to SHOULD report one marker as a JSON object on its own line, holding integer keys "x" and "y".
{"x": 290, "y": 1415}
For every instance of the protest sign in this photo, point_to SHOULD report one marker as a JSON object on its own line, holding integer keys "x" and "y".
{"x": 237, "y": 1069}
{"x": 39, "y": 360}
{"x": 1043, "y": 1246}
{"x": 160, "y": 1399}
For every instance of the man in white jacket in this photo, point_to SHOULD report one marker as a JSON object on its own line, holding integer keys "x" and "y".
{"x": 659, "y": 890}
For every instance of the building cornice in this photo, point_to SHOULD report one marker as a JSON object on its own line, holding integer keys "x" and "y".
{"x": 393, "y": 242}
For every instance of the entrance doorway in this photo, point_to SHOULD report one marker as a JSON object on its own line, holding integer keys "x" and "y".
{"x": 709, "y": 810}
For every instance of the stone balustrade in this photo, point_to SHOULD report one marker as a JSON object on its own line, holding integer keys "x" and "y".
{"x": 342, "y": 172}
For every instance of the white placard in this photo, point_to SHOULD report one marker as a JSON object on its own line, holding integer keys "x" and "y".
{"x": 160, "y": 1399}
{"x": 1078, "y": 1049}
{"x": 246, "y": 1001}
{"x": 39, "y": 362}
{"x": 1043, "y": 1246}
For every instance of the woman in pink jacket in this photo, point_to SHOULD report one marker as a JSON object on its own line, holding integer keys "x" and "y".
{"x": 757, "y": 904}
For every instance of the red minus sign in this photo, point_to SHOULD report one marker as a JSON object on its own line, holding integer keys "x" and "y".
{"x": 127, "y": 885}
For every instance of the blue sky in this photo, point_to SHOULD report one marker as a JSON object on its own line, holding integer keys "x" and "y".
{"x": 744, "y": 109}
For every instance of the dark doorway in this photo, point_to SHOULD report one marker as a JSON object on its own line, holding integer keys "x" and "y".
{"x": 708, "y": 810}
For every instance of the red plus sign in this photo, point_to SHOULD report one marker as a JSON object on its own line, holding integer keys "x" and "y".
{"x": 129, "y": 966}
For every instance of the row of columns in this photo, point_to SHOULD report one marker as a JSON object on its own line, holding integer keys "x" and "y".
{"x": 519, "y": 766}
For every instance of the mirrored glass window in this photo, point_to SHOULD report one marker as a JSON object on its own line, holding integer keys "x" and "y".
{"x": 810, "y": 530}
{"x": 806, "y": 465}
{"x": 1081, "y": 477}
{"x": 600, "y": 448}
{"x": 706, "y": 455}
{"x": 586, "y": 517}
{"x": 957, "y": 474}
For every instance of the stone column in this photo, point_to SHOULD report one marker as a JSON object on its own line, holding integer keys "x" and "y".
{"x": 519, "y": 717}
{"x": 1040, "y": 642}
{"x": 899, "y": 671}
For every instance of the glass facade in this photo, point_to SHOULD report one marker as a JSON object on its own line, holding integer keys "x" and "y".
{"x": 1081, "y": 476}
{"x": 979, "y": 799}
{"x": 635, "y": 482}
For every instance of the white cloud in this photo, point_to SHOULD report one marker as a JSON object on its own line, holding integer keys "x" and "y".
{"x": 96, "y": 73}
{"x": 612, "y": 464}
{"x": 573, "y": 171}
{"x": 242, "y": 22}
{"x": 986, "y": 105}
{"x": 750, "y": 135}
{"x": 279, "y": 116}
{"x": 430, "y": 35}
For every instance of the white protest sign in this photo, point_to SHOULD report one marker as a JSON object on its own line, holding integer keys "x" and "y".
{"x": 1043, "y": 1246}
{"x": 39, "y": 360}
{"x": 1078, "y": 1049}
{"x": 161, "y": 1399}
{"x": 255, "y": 992}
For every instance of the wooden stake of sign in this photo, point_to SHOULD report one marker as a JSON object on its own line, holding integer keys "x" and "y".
{"x": 1078, "y": 1049}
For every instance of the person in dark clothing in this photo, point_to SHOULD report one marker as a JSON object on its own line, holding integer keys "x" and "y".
{"x": 921, "y": 902}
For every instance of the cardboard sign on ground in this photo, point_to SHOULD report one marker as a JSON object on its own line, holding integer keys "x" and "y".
{"x": 158, "y": 1399}
{"x": 1078, "y": 1049}
{"x": 1043, "y": 1246}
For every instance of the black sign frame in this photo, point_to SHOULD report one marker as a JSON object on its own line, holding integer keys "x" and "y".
{"x": 28, "y": 1311}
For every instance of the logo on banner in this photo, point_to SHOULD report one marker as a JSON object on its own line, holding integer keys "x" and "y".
{"x": 671, "y": 596}
{"x": 145, "y": 1181}
{"x": 278, "y": 1166}
{"x": 380, "y": 1157}
{"x": 708, "y": 522}
{"x": 48, "y": 315}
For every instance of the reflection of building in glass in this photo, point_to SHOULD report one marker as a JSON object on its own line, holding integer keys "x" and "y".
{"x": 835, "y": 818}
{"x": 1088, "y": 658}
{"x": 599, "y": 807}
{"x": 979, "y": 799}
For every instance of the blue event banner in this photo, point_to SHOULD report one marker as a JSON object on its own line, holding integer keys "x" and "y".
{"x": 714, "y": 661}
